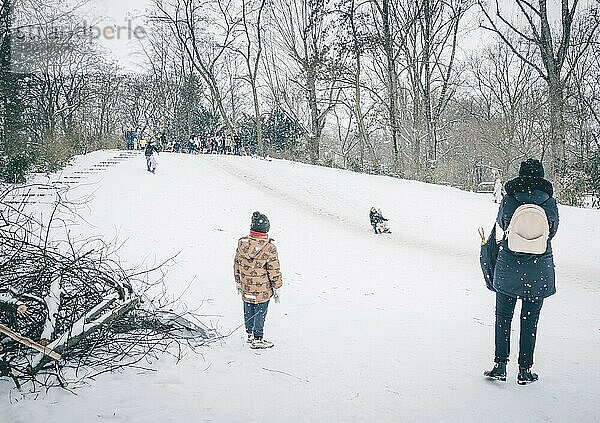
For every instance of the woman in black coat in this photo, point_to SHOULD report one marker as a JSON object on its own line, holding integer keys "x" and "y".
{"x": 529, "y": 277}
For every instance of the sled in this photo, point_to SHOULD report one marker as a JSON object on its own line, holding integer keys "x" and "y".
{"x": 153, "y": 163}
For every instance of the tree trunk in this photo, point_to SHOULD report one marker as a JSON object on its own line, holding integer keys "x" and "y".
{"x": 261, "y": 147}
{"x": 557, "y": 129}
{"x": 315, "y": 135}
{"x": 253, "y": 71}
{"x": 427, "y": 86}
{"x": 360, "y": 120}
{"x": 416, "y": 121}
{"x": 233, "y": 108}
{"x": 216, "y": 97}
{"x": 416, "y": 131}
{"x": 392, "y": 82}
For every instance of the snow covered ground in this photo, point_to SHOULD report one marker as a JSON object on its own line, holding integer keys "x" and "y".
{"x": 370, "y": 328}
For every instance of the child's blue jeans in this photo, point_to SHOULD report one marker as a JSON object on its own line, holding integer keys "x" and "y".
{"x": 254, "y": 315}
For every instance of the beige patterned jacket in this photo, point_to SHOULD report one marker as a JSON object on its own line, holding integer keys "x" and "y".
{"x": 256, "y": 268}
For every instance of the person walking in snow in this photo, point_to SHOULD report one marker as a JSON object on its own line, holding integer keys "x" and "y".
{"x": 498, "y": 190}
{"x": 148, "y": 152}
{"x": 258, "y": 277}
{"x": 525, "y": 265}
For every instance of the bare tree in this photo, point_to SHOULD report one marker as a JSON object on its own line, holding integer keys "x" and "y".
{"x": 301, "y": 32}
{"x": 346, "y": 139}
{"x": 189, "y": 20}
{"x": 427, "y": 71}
{"x": 390, "y": 35}
{"x": 552, "y": 48}
{"x": 504, "y": 95}
{"x": 251, "y": 51}
{"x": 583, "y": 94}
{"x": 356, "y": 39}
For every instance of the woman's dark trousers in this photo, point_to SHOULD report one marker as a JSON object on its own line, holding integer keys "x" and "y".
{"x": 530, "y": 313}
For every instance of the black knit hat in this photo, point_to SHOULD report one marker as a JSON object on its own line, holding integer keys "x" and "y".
{"x": 531, "y": 168}
{"x": 260, "y": 223}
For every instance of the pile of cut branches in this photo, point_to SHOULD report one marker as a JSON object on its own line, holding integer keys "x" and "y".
{"x": 70, "y": 304}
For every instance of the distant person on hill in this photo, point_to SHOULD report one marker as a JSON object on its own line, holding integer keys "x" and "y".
{"x": 258, "y": 277}
{"x": 150, "y": 159}
{"x": 129, "y": 139}
{"x": 228, "y": 145}
{"x": 192, "y": 145}
{"x": 237, "y": 146}
{"x": 524, "y": 268}
{"x": 498, "y": 190}
{"x": 378, "y": 222}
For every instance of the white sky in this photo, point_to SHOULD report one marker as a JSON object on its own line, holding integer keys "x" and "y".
{"x": 125, "y": 49}
{"x": 127, "y": 52}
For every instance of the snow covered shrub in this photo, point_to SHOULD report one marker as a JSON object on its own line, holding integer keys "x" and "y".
{"x": 55, "y": 153}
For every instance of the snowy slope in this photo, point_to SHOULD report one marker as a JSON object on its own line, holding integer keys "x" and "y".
{"x": 370, "y": 328}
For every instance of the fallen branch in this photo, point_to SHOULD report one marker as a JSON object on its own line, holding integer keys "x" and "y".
{"x": 30, "y": 343}
{"x": 77, "y": 305}
{"x": 81, "y": 329}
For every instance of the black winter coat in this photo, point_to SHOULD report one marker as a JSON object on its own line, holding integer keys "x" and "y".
{"x": 150, "y": 148}
{"x": 521, "y": 275}
{"x": 374, "y": 217}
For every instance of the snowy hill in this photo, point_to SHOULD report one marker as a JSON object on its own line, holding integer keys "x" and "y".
{"x": 387, "y": 328}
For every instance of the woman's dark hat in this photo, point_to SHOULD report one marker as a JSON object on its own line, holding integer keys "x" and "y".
{"x": 531, "y": 168}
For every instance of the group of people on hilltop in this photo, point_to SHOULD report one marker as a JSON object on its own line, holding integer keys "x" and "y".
{"x": 195, "y": 144}
{"x": 211, "y": 145}
{"x": 136, "y": 139}
{"x": 524, "y": 269}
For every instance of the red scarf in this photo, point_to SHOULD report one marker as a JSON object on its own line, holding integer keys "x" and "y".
{"x": 255, "y": 234}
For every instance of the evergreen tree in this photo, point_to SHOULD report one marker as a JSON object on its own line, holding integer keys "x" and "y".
{"x": 281, "y": 132}
{"x": 15, "y": 160}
